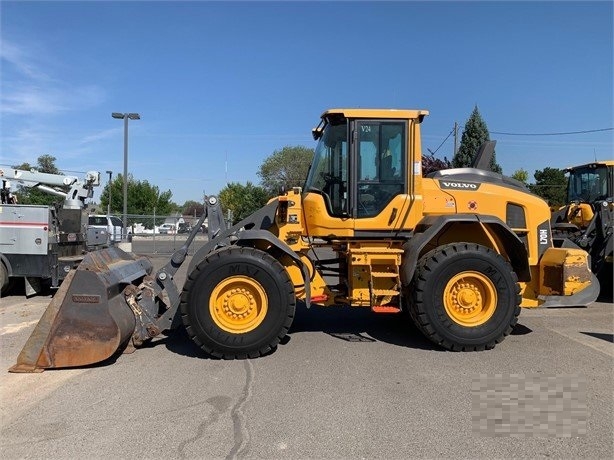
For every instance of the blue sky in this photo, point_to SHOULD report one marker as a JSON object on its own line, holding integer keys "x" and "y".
{"x": 222, "y": 85}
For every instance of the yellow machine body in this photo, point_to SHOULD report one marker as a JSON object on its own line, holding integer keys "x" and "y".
{"x": 526, "y": 216}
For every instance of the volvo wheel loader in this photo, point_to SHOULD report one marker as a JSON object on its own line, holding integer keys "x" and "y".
{"x": 459, "y": 251}
{"x": 588, "y": 218}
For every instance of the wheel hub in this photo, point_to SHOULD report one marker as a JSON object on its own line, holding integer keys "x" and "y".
{"x": 470, "y": 298}
{"x": 466, "y": 297}
{"x": 238, "y": 304}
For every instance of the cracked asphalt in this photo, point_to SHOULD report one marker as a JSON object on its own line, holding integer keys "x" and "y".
{"x": 344, "y": 384}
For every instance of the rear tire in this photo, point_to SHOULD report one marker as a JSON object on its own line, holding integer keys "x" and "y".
{"x": 238, "y": 303}
{"x": 6, "y": 283}
{"x": 464, "y": 297}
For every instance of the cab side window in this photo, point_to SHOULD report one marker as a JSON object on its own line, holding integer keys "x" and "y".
{"x": 381, "y": 165}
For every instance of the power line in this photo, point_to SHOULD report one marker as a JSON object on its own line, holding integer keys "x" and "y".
{"x": 444, "y": 141}
{"x": 553, "y": 134}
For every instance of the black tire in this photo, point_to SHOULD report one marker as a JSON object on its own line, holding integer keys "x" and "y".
{"x": 6, "y": 283}
{"x": 454, "y": 281}
{"x": 255, "y": 284}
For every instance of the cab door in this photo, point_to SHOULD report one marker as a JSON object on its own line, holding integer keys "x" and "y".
{"x": 379, "y": 174}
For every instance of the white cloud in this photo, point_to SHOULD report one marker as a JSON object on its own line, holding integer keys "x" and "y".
{"x": 24, "y": 145}
{"x": 20, "y": 60}
{"x": 31, "y": 100}
{"x": 101, "y": 135}
{"x": 27, "y": 90}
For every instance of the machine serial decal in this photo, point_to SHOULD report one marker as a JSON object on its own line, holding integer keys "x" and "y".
{"x": 85, "y": 298}
{"x": 471, "y": 186}
{"x": 544, "y": 236}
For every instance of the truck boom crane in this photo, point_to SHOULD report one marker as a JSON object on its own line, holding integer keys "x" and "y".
{"x": 80, "y": 189}
{"x": 43, "y": 242}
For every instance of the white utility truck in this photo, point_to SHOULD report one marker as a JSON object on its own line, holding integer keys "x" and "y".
{"x": 39, "y": 242}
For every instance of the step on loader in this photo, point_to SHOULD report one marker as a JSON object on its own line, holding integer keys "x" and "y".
{"x": 460, "y": 251}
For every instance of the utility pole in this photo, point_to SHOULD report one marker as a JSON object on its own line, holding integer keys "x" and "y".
{"x": 455, "y": 138}
{"x": 110, "y": 185}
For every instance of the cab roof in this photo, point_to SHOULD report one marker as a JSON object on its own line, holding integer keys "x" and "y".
{"x": 377, "y": 113}
{"x": 594, "y": 164}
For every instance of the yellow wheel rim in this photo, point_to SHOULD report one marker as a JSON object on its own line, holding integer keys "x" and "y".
{"x": 470, "y": 298}
{"x": 238, "y": 304}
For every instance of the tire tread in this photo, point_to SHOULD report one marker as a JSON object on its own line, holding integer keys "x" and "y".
{"x": 215, "y": 257}
{"x": 418, "y": 304}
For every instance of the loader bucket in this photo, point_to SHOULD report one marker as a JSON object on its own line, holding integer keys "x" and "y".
{"x": 87, "y": 320}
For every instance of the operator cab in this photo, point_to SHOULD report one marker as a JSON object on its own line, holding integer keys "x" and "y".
{"x": 360, "y": 171}
{"x": 590, "y": 183}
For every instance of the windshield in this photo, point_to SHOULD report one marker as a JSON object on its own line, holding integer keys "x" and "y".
{"x": 116, "y": 222}
{"x": 588, "y": 184}
{"x": 328, "y": 173}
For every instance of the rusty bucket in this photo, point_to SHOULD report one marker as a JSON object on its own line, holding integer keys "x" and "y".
{"x": 87, "y": 320}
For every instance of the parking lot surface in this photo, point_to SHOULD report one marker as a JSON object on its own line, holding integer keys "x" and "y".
{"x": 344, "y": 384}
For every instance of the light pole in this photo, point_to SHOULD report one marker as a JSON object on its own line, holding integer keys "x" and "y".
{"x": 125, "y": 117}
{"x": 110, "y": 173}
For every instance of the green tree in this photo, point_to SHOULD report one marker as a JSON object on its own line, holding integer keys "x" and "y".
{"x": 46, "y": 163}
{"x": 192, "y": 208}
{"x": 115, "y": 189}
{"x": 286, "y": 167}
{"x": 32, "y": 195}
{"x": 142, "y": 197}
{"x": 521, "y": 175}
{"x": 474, "y": 135}
{"x": 550, "y": 184}
{"x": 242, "y": 200}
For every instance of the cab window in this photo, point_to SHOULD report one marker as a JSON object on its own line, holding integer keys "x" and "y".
{"x": 116, "y": 221}
{"x": 380, "y": 165}
{"x": 328, "y": 173}
{"x": 97, "y": 220}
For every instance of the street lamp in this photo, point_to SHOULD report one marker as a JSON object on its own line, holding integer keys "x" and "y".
{"x": 110, "y": 173}
{"x": 125, "y": 117}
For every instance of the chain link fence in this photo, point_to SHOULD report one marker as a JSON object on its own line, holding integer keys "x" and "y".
{"x": 153, "y": 234}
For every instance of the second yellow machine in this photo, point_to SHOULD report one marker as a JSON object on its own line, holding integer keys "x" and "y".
{"x": 460, "y": 251}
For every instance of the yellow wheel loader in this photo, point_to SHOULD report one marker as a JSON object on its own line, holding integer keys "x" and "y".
{"x": 459, "y": 251}
{"x": 587, "y": 221}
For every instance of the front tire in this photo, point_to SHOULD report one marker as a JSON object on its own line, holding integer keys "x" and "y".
{"x": 464, "y": 297}
{"x": 238, "y": 303}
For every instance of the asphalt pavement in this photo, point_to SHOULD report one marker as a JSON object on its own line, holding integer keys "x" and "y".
{"x": 344, "y": 384}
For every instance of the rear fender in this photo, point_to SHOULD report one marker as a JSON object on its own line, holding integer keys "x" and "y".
{"x": 433, "y": 231}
